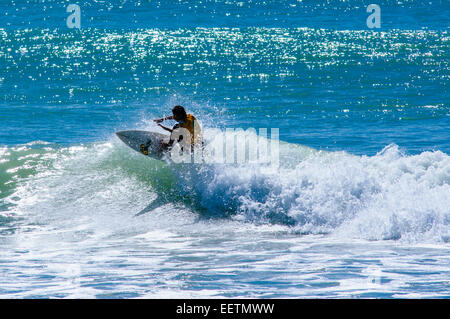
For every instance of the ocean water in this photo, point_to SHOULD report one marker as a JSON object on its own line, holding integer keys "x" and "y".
{"x": 359, "y": 206}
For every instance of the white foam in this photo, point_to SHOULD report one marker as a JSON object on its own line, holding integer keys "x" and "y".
{"x": 387, "y": 196}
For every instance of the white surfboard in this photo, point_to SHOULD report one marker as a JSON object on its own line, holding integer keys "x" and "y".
{"x": 144, "y": 142}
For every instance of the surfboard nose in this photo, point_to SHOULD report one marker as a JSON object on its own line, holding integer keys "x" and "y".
{"x": 124, "y": 136}
{"x": 120, "y": 133}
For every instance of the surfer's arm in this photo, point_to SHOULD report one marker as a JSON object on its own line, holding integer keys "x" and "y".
{"x": 163, "y": 119}
{"x": 171, "y": 141}
{"x": 165, "y": 128}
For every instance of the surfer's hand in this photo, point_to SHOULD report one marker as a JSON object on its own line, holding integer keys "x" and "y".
{"x": 166, "y": 128}
{"x": 158, "y": 120}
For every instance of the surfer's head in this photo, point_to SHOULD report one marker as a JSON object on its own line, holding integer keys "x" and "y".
{"x": 179, "y": 114}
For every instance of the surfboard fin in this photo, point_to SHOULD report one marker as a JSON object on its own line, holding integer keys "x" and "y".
{"x": 158, "y": 202}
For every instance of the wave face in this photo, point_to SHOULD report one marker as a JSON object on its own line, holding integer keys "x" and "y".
{"x": 386, "y": 196}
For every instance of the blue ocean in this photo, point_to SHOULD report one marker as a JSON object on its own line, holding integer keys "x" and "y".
{"x": 358, "y": 207}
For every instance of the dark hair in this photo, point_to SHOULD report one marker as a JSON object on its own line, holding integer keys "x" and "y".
{"x": 179, "y": 110}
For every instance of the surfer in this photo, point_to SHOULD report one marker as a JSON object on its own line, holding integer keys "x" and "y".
{"x": 187, "y": 125}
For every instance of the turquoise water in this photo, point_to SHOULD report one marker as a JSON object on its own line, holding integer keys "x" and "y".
{"x": 359, "y": 206}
